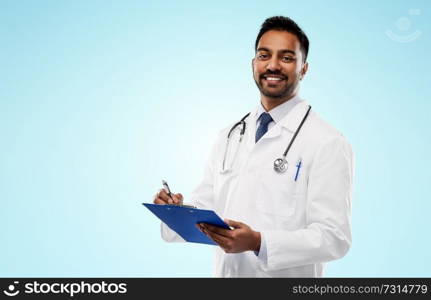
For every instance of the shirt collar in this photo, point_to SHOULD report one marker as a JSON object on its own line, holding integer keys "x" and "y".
{"x": 280, "y": 111}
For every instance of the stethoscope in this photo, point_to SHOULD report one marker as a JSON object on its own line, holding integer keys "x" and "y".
{"x": 280, "y": 164}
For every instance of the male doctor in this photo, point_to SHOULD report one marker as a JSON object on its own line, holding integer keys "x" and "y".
{"x": 285, "y": 224}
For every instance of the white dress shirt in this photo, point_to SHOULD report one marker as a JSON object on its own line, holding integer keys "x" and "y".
{"x": 277, "y": 114}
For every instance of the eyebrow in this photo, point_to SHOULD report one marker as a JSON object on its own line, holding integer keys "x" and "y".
{"x": 282, "y": 51}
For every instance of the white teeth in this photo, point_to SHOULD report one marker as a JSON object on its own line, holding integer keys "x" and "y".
{"x": 273, "y": 78}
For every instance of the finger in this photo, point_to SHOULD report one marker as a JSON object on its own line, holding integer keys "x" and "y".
{"x": 233, "y": 223}
{"x": 164, "y": 196}
{"x": 177, "y": 199}
{"x": 218, "y": 230}
{"x": 159, "y": 201}
{"x": 200, "y": 228}
{"x": 222, "y": 241}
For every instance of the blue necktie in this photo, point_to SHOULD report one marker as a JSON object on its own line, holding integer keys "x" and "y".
{"x": 265, "y": 119}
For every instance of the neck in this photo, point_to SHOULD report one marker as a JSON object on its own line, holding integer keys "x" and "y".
{"x": 269, "y": 103}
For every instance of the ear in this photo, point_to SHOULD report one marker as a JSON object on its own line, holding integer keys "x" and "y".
{"x": 304, "y": 70}
{"x": 252, "y": 66}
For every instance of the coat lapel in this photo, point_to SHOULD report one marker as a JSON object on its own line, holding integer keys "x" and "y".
{"x": 290, "y": 122}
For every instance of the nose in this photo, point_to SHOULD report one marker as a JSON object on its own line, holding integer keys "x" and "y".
{"x": 273, "y": 65}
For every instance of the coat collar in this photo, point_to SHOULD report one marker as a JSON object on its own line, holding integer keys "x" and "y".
{"x": 290, "y": 121}
{"x": 279, "y": 112}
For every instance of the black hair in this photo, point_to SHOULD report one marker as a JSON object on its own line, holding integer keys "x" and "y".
{"x": 281, "y": 23}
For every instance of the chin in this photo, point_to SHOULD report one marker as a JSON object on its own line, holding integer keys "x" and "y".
{"x": 275, "y": 95}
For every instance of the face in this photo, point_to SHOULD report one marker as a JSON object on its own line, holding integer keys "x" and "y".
{"x": 278, "y": 65}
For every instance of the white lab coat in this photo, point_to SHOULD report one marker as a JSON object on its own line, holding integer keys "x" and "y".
{"x": 303, "y": 223}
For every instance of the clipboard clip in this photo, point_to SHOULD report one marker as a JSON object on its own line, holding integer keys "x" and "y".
{"x": 186, "y": 205}
{"x": 168, "y": 206}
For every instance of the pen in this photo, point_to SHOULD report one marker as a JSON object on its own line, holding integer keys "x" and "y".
{"x": 298, "y": 166}
{"x": 167, "y": 189}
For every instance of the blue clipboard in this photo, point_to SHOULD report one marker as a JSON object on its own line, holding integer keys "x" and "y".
{"x": 183, "y": 220}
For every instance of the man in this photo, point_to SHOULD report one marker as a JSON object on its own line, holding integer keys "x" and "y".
{"x": 285, "y": 223}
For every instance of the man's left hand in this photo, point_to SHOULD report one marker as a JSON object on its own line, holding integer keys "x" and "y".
{"x": 241, "y": 238}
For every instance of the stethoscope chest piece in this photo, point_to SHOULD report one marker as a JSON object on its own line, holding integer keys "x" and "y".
{"x": 280, "y": 165}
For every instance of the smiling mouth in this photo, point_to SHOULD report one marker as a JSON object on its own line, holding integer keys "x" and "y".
{"x": 273, "y": 79}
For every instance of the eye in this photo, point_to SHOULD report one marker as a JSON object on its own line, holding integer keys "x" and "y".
{"x": 288, "y": 58}
{"x": 262, "y": 56}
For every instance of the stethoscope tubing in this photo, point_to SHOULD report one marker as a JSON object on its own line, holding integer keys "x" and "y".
{"x": 243, "y": 124}
{"x": 297, "y": 131}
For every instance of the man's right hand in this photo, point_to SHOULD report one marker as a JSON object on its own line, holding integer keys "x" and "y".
{"x": 163, "y": 198}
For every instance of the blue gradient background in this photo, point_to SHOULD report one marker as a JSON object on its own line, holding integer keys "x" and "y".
{"x": 100, "y": 100}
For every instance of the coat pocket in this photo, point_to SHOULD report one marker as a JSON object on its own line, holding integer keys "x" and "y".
{"x": 276, "y": 194}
